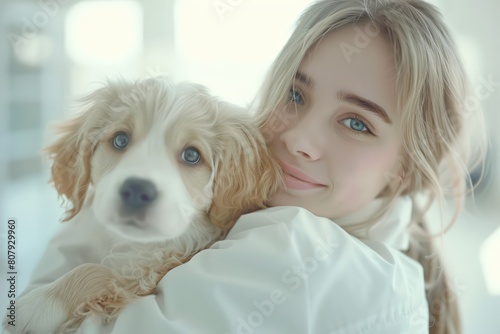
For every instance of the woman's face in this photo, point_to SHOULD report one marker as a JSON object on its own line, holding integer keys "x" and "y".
{"x": 337, "y": 137}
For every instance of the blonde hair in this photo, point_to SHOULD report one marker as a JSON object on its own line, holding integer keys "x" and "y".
{"x": 432, "y": 90}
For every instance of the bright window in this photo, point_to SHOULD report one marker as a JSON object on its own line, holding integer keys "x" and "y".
{"x": 100, "y": 33}
{"x": 228, "y": 45}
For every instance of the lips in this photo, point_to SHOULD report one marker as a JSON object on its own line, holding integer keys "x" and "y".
{"x": 296, "y": 179}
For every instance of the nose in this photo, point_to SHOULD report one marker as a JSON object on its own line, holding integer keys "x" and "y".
{"x": 304, "y": 139}
{"x": 138, "y": 193}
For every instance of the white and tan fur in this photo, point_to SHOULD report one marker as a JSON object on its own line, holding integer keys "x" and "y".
{"x": 195, "y": 204}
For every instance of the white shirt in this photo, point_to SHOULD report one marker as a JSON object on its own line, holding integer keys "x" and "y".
{"x": 280, "y": 270}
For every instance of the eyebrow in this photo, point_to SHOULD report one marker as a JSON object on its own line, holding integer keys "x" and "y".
{"x": 350, "y": 98}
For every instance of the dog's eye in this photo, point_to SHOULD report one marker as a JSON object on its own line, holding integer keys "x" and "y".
{"x": 120, "y": 140}
{"x": 191, "y": 155}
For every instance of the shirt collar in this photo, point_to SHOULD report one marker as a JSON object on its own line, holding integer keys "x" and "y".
{"x": 392, "y": 229}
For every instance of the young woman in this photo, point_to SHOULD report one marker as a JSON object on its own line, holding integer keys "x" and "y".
{"x": 365, "y": 109}
{"x": 366, "y": 103}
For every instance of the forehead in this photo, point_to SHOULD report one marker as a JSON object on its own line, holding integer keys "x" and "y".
{"x": 357, "y": 59}
{"x": 158, "y": 104}
{"x": 168, "y": 115}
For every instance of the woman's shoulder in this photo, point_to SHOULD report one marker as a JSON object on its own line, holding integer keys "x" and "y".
{"x": 298, "y": 263}
{"x": 296, "y": 232}
{"x": 301, "y": 232}
{"x": 340, "y": 273}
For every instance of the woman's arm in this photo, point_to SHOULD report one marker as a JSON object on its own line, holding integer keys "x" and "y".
{"x": 283, "y": 270}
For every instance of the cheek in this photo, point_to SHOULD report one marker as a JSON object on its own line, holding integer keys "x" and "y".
{"x": 368, "y": 171}
{"x": 197, "y": 181}
{"x": 102, "y": 162}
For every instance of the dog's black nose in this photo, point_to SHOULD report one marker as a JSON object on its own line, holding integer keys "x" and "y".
{"x": 138, "y": 193}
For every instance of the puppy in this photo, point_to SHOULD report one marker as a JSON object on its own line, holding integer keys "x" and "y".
{"x": 167, "y": 169}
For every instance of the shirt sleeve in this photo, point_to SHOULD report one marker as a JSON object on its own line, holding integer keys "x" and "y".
{"x": 283, "y": 270}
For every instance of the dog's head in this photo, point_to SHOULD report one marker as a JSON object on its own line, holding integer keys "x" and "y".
{"x": 160, "y": 156}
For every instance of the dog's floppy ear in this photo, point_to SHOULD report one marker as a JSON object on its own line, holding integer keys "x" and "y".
{"x": 72, "y": 151}
{"x": 247, "y": 174}
{"x": 70, "y": 171}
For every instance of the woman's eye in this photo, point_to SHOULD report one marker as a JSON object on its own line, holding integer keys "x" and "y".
{"x": 120, "y": 140}
{"x": 191, "y": 155}
{"x": 355, "y": 124}
{"x": 294, "y": 96}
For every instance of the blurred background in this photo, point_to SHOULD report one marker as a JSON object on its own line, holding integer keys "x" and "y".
{"x": 53, "y": 51}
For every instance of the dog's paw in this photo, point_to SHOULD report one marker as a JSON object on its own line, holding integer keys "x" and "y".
{"x": 35, "y": 313}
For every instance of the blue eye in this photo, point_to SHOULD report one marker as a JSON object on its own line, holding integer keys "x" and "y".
{"x": 191, "y": 155}
{"x": 295, "y": 97}
{"x": 120, "y": 140}
{"x": 355, "y": 124}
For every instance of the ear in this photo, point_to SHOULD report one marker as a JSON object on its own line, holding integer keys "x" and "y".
{"x": 70, "y": 171}
{"x": 72, "y": 152}
{"x": 247, "y": 174}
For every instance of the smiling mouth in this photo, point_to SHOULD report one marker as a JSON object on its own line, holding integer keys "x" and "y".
{"x": 296, "y": 179}
{"x": 292, "y": 182}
